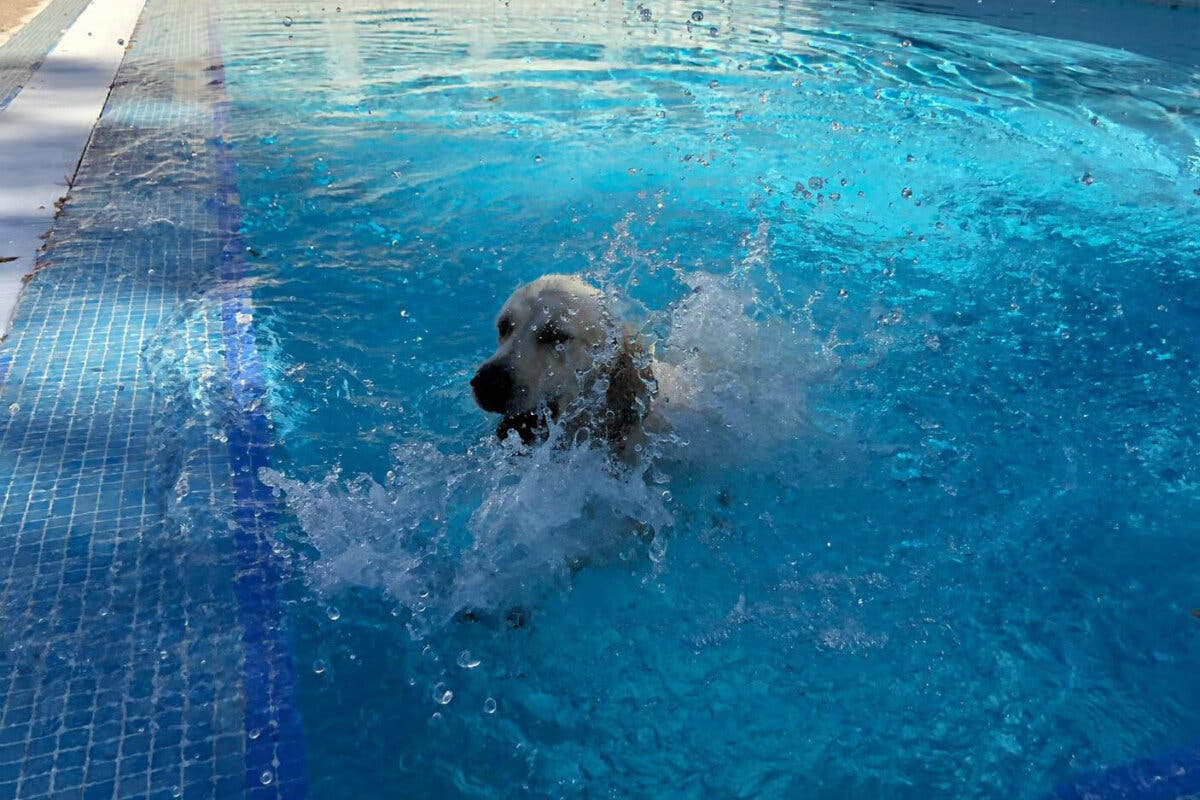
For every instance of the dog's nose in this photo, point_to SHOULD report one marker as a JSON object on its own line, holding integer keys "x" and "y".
{"x": 493, "y": 387}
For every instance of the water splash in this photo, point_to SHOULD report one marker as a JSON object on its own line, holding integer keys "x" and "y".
{"x": 499, "y": 524}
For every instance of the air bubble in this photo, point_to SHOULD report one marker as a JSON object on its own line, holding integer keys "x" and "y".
{"x": 489, "y": 706}
{"x": 266, "y": 777}
{"x": 288, "y": 22}
{"x": 319, "y": 666}
{"x": 14, "y": 408}
{"x": 442, "y": 695}
{"x": 334, "y": 614}
{"x": 697, "y": 16}
{"x": 906, "y": 193}
{"x": 467, "y": 661}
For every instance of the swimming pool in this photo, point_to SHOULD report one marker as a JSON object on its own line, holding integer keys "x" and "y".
{"x": 924, "y": 530}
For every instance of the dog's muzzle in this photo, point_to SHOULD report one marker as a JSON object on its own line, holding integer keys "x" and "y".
{"x": 493, "y": 387}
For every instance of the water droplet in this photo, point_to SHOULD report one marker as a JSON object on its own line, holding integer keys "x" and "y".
{"x": 266, "y": 777}
{"x": 287, "y": 22}
{"x": 334, "y": 614}
{"x": 467, "y": 661}
{"x": 697, "y": 16}
{"x": 489, "y": 706}
{"x": 319, "y": 666}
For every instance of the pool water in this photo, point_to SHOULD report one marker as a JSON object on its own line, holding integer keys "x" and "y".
{"x": 924, "y": 527}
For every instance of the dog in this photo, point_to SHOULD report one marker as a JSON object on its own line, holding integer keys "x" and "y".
{"x": 564, "y": 357}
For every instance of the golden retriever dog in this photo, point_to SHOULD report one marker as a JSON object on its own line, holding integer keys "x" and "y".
{"x": 563, "y": 356}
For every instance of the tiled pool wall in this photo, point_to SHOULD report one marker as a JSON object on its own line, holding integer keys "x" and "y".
{"x": 141, "y": 650}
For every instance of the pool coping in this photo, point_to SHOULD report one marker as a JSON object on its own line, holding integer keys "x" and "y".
{"x": 45, "y": 130}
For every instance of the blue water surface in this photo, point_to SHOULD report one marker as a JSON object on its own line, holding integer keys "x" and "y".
{"x": 929, "y": 526}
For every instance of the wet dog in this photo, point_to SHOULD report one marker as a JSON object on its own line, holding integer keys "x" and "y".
{"x": 564, "y": 356}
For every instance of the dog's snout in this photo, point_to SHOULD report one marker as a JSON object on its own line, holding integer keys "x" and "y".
{"x": 493, "y": 387}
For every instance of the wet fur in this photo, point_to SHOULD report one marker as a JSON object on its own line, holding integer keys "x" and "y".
{"x": 557, "y": 382}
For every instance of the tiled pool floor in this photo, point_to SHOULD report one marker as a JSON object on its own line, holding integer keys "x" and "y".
{"x": 140, "y": 654}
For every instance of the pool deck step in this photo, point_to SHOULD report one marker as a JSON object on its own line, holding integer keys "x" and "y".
{"x": 45, "y": 129}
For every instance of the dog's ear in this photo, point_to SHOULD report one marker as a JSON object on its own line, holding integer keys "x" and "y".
{"x": 630, "y": 388}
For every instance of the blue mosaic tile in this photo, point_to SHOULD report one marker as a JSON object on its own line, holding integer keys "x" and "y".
{"x": 128, "y": 665}
{"x": 102, "y": 790}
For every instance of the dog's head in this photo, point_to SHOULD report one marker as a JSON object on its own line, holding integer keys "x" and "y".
{"x": 557, "y": 342}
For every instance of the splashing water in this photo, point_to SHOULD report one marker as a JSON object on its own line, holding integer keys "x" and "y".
{"x": 495, "y": 526}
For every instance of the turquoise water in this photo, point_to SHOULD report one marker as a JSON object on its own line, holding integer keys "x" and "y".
{"x": 925, "y": 526}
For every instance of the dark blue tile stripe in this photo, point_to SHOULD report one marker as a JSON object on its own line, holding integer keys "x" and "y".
{"x": 1174, "y": 776}
{"x": 275, "y": 757}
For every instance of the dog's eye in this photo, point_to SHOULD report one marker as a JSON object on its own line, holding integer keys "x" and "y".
{"x": 549, "y": 334}
{"x": 505, "y": 327}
